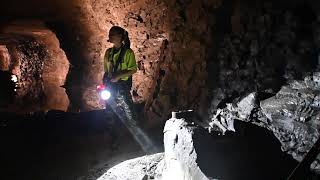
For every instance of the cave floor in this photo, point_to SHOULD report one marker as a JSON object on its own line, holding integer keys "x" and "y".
{"x": 83, "y": 146}
{"x": 62, "y": 145}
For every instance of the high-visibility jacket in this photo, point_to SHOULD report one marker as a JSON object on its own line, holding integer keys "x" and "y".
{"x": 128, "y": 62}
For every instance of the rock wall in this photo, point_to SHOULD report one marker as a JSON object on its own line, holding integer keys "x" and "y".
{"x": 170, "y": 40}
{"x": 170, "y": 46}
{"x": 265, "y": 73}
{"x": 40, "y": 65}
{"x": 4, "y": 58}
{"x": 269, "y": 44}
{"x": 186, "y": 48}
{"x": 188, "y": 52}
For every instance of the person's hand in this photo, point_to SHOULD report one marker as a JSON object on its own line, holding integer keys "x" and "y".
{"x": 105, "y": 78}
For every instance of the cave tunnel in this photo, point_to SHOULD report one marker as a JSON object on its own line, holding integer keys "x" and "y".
{"x": 224, "y": 89}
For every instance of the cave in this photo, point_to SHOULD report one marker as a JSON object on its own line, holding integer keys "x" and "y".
{"x": 224, "y": 89}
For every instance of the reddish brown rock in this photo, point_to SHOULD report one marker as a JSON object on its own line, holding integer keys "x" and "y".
{"x": 170, "y": 40}
{"x": 40, "y": 65}
{"x": 4, "y": 58}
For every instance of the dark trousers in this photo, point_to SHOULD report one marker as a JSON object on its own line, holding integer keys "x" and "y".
{"x": 124, "y": 108}
{"x": 122, "y": 97}
{"x": 124, "y": 101}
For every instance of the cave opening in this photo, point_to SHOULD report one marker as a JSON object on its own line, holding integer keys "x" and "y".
{"x": 33, "y": 57}
{"x": 223, "y": 90}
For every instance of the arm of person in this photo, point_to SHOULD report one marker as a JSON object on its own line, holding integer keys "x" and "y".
{"x": 122, "y": 74}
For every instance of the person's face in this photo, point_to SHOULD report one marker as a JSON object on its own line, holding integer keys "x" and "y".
{"x": 115, "y": 38}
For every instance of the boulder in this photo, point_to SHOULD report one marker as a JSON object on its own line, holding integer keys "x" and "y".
{"x": 294, "y": 114}
{"x": 192, "y": 153}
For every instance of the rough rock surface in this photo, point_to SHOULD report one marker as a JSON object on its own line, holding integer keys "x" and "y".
{"x": 4, "y": 58}
{"x": 179, "y": 161}
{"x": 269, "y": 44}
{"x": 168, "y": 44}
{"x": 182, "y": 47}
{"x": 40, "y": 65}
{"x": 191, "y": 153}
{"x": 142, "y": 168}
{"x": 180, "y": 154}
{"x": 171, "y": 40}
{"x": 292, "y": 115}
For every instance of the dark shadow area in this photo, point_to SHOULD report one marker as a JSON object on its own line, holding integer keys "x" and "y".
{"x": 250, "y": 153}
{"x": 59, "y": 145}
{"x": 73, "y": 52}
{"x": 7, "y": 87}
{"x": 221, "y": 27}
{"x": 260, "y": 46}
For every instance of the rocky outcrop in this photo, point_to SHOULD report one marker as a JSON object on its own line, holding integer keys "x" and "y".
{"x": 192, "y": 153}
{"x": 292, "y": 115}
{"x": 142, "y": 168}
{"x": 270, "y": 47}
{"x": 181, "y": 156}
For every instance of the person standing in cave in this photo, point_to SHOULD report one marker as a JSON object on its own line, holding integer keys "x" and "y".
{"x": 119, "y": 66}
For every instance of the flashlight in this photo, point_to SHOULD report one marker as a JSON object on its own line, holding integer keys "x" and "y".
{"x": 105, "y": 94}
